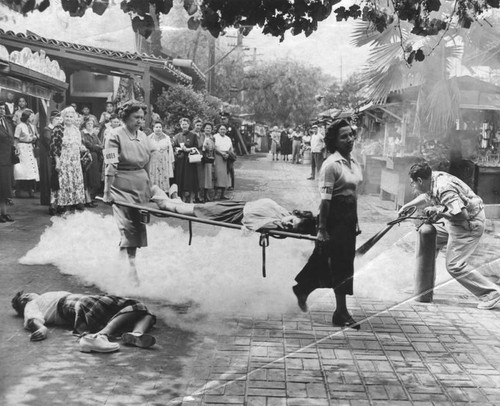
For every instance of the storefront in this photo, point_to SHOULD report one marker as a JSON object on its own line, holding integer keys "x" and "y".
{"x": 96, "y": 75}
{"x": 32, "y": 75}
{"x": 391, "y": 143}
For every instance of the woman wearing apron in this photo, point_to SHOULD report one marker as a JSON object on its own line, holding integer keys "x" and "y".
{"x": 332, "y": 263}
{"x": 127, "y": 154}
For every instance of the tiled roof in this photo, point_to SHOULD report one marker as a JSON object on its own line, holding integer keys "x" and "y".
{"x": 131, "y": 56}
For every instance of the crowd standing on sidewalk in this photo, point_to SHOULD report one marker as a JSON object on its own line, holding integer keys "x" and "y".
{"x": 64, "y": 161}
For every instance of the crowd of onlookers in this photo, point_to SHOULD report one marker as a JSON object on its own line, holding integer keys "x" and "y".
{"x": 296, "y": 143}
{"x": 64, "y": 161}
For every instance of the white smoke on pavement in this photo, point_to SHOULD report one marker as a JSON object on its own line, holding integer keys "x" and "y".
{"x": 217, "y": 275}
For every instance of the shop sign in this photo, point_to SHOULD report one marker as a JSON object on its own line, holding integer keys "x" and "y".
{"x": 30, "y": 89}
{"x": 15, "y": 85}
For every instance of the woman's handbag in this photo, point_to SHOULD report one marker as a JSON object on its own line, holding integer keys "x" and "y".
{"x": 194, "y": 156}
{"x": 14, "y": 158}
{"x": 86, "y": 160}
{"x": 206, "y": 159}
{"x": 231, "y": 156}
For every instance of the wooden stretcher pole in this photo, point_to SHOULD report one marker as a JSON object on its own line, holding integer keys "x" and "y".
{"x": 163, "y": 213}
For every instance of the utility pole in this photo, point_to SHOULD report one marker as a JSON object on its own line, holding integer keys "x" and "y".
{"x": 211, "y": 62}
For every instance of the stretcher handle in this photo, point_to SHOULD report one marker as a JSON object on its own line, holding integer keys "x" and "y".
{"x": 264, "y": 243}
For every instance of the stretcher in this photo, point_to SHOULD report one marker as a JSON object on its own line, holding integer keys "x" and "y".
{"x": 146, "y": 212}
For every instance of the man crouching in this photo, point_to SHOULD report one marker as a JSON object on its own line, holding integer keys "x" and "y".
{"x": 94, "y": 317}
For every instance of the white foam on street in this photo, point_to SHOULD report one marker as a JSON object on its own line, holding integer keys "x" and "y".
{"x": 218, "y": 274}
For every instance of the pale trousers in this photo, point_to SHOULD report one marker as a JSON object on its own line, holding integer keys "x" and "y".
{"x": 296, "y": 151}
{"x": 461, "y": 240}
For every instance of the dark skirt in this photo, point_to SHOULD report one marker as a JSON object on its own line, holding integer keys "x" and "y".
{"x": 186, "y": 174}
{"x": 228, "y": 212}
{"x": 92, "y": 176}
{"x": 335, "y": 267}
{"x": 6, "y": 176}
{"x": 90, "y": 314}
{"x": 45, "y": 174}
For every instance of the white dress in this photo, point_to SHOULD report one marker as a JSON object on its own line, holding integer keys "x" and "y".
{"x": 27, "y": 168}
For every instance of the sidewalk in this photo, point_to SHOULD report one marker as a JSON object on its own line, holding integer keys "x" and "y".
{"x": 406, "y": 353}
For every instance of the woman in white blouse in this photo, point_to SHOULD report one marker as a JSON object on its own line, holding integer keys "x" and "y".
{"x": 223, "y": 148}
{"x": 26, "y": 171}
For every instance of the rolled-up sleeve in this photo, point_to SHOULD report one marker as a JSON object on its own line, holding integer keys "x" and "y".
{"x": 31, "y": 312}
{"x": 452, "y": 201}
{"x": 327, "y": 181}
{"x": 112, "y": 144}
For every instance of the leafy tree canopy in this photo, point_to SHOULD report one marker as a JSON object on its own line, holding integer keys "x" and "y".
{"x": 182, "y": 101}
{"x": 282, "y": 92}
{"x": 276, "y": 17}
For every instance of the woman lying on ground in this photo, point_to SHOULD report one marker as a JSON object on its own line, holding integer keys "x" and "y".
{"x": 95, "y": 317}
{"x": 255, "y": 215}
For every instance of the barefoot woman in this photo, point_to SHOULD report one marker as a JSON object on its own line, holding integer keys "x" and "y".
{"x": 332, "y": 263}
{"x": 127, "y": 154}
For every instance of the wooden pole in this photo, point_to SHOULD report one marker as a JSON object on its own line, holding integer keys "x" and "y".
{"x": 146, "y": 83}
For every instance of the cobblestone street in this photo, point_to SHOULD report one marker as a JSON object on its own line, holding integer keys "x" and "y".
{"x": 406, "y": 353}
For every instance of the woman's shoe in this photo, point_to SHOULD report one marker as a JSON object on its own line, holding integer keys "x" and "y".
{"x": 140, "y": 340}
{"x": 342, "y": 320}
{"x": 80, "y": 207}
{"x": 6, "y": 217}
{"x": 97, "y": 343}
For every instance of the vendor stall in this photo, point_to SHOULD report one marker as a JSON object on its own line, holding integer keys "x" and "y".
{"x": 470, "y": 150}
{"x": 31, "y": 74}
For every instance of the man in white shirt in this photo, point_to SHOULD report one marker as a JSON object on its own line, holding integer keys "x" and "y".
{"x": 317, "y": 151}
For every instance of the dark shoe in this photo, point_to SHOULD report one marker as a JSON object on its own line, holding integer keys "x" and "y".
{"x": 80, "y": 207}
{"x": 91, "y": 205}
{"x": 224, "y": 198}
{"x": 310, "y": 178}
{"x": 2, "y": 220}
{"x": 60, "y": 209}
{"x": 7, "y": 218}
{"x": 301, "y": 299}
{"x": 52, "y": 211}
{"x": 342, "y": 320}
{"x": 140, "y": 340}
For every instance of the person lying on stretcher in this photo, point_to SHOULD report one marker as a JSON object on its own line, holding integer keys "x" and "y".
{"x": 256, "y": 215}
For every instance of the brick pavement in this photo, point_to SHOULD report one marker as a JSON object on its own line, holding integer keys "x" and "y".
{"x": 407, "y": 353}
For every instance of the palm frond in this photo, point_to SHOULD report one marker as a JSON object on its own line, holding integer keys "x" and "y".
{"x": 442, "y": 106}
{"x": 365, "y": 33}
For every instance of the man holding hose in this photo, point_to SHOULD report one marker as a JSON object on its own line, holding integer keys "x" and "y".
{"x": 443, "y": 196}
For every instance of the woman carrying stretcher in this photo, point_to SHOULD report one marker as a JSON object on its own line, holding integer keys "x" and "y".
{"x": 332, "y": 263}
{"x": 256, "y": 215}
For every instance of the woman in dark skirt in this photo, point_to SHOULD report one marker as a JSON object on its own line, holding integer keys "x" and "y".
{"x": 332, "y": 263}
{"x": 186, "y": 174}
{"x": 285, "y": 145}
{"x": 92, "y": 173}
{"x": 45, "y": 160}
{"x": 6, "y": 148}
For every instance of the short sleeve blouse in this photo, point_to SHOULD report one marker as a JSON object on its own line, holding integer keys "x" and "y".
{"x": 338, "y": 177}
{"x": 134, "y": 153}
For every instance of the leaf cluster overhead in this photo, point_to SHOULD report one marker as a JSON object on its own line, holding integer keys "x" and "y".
{"x": 277, "y": 17}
